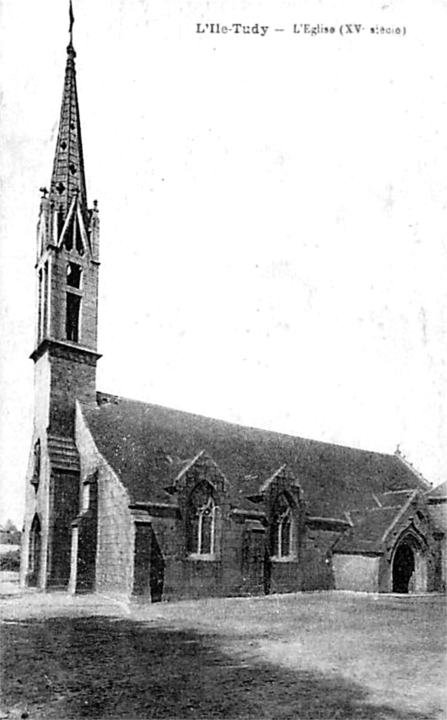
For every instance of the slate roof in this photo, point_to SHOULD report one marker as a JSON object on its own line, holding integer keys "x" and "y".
{"x": 147, "y": 445}
{"x": 371, "y": 524}
{"x": 437, "y": 506}
{"x": 369, "y": 529}
{"x": 439, "y": 492}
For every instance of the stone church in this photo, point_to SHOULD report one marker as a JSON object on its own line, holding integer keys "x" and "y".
{"x": 150, "y": 503}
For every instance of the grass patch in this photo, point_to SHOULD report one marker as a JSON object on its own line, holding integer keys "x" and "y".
{"x": 308, "y": 657}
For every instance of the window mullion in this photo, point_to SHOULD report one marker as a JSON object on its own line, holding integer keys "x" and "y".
{"x": 199, "y": 533}
{"x": 213, "y": 518}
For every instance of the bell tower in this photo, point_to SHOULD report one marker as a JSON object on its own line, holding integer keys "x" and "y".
{"x": 65, "y": 352}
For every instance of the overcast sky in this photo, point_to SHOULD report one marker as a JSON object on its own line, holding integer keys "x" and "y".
{"x": 273, "y": 214}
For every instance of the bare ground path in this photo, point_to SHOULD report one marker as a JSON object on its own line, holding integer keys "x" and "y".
{"x": 310, "y": 656}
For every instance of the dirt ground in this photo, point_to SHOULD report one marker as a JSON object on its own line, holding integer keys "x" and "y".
{"x": 310, "y": 656}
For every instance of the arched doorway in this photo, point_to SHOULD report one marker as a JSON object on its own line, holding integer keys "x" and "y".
{"x": 409, "y": 568}
{"x": 403, "y": 568}
{"x": 35, "y": 545}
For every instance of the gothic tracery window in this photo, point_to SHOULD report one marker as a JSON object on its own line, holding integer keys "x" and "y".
{"x": 202, "y": 515}
{"x": 282, "y": 529}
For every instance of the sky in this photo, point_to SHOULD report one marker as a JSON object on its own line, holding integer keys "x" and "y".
{"x": 273, "y": 213}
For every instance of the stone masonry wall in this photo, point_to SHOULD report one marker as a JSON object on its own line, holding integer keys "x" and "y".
{"x": 36, "y": 503}
{"x": 115, "y": 538}
{"x": 188, "y": 577}
{"x": 316, "y": 559}
{"x": 356, "y": 572}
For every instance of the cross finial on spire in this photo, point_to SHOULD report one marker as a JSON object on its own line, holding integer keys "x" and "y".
{"x": 71, "y": 22}
{"x": 68, "y": 177}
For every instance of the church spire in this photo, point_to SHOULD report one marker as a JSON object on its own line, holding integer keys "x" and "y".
{"x": 67, "y": 235}
{"x": 68, "y": 177}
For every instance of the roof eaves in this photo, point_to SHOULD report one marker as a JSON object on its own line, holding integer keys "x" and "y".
{"x": 248, "y": 513}
{"x": 358, "y": 551}
{"x": 327, "y": 523}
{"x": 155, "y": 509}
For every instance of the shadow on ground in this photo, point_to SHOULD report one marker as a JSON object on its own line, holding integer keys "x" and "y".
{"x": 102, "y": 667}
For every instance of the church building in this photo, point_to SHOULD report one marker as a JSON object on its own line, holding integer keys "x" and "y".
{"x": 150, "y": 503}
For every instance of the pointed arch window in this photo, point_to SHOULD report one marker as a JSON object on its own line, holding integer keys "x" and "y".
{"x": 72, "y": 317}
{"x": 34, "y": 552}
{"x": 46, "y": 292}
{"x": 282, "y": 529}
{"x": 35, "y": 479}
{"x": 202, "y": 516}
{"x": 40, "y": 313}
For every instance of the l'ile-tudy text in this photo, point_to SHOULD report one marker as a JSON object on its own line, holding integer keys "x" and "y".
{"x": 345, "y": 29}
{"x": 235, "y": 28}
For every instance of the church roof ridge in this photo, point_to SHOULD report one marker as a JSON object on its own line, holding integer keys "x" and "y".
{"x": 105, "y": 398}
{"x": 401, "y": 457}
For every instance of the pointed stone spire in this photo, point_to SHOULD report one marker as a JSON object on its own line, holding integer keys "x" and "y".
{"x": 68, "y": 178}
